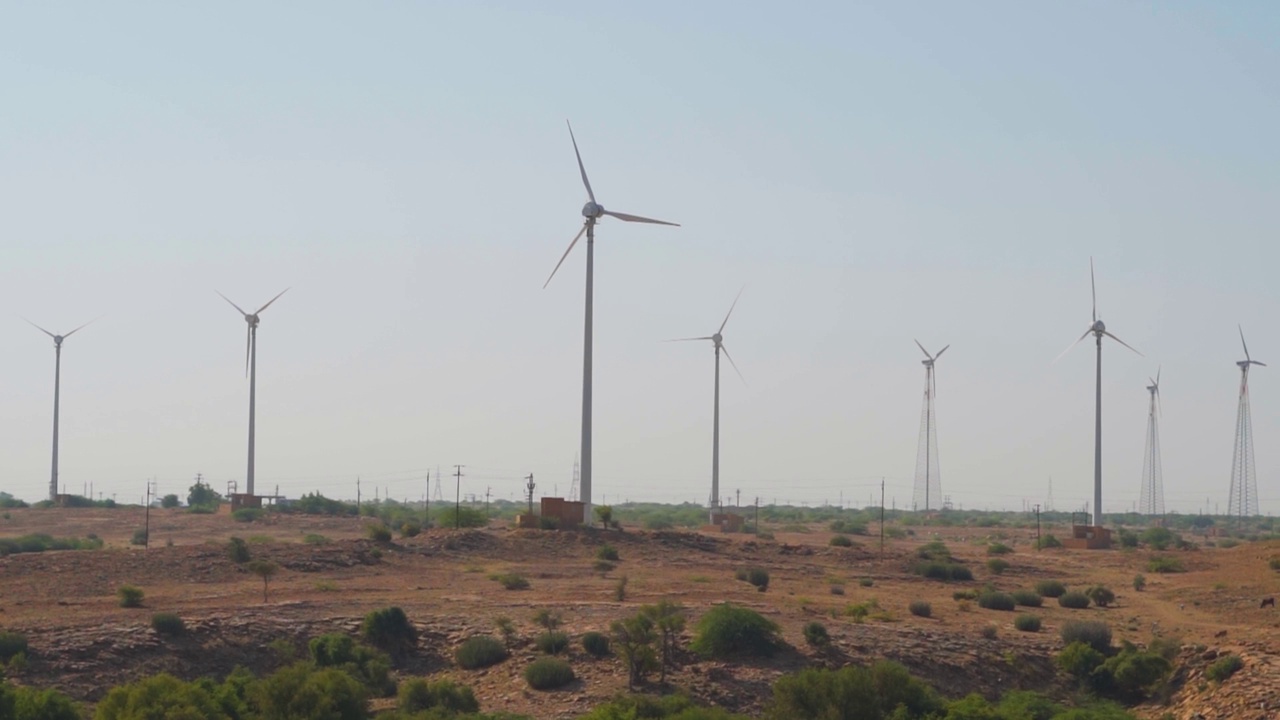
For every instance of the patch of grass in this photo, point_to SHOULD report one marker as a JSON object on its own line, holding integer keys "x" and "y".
{"x": 480, "y": 651}
{"x": 866, "y": 582}
{"x": 863, "y": 610}
{"x": 1074, "y": 600}
{"x": 1047, "y": 542}
{"x": 596, "y": 644}
{"x": 1165, "y": 564}
{"x": 1027, "y": 598}
{"x": 841, "y": 541}
{"x": 247, "y": 515}
{"x": 167, "y": 623}
{"x": 473, "y": 569}
{"x": 1027, "y": 623}
{"x": 997, "y": 565}
{"x": 1219, "y": 586}
{"x": 815, "y": 634}
{"x": 130, "y": 596}
{"x": 794, "y": 528}
{"x": 510, "y": 580}
{"x": 996, "y": 601}
{"x": 699, "y": 579}
{"x": 837, "y": 589}
{"x": 607, "y": 552}
{"x": 602, "y": 566}
{"x": 1050, "y": 588}
{"x": 314, "y": 539}
{"x": 548, "y": 674}
{"x": 1139, "y": 582}
{"x": 326, "y": 586}
{"x": 964, "y": 595}
{"x": 756, "y": 576}
{"x": 1228, "y": 543}
{"x": 990, "y": 632}
{"x": 552, "y": 643}
{"x": 998, "y": 549}
{"x": 920, "y": 608}
{"x": 1223, "y": 668}
{"x": 260, "y": 540}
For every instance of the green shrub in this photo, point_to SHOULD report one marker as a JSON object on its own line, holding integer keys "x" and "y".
{"x": 1158, "y": 538}
{"x": 866, "y": 582}
{"x": 1139, "y": 582}
{"x": 238, "y": 550}
{"x": 1096, "y": 635}
{"x": 1274, "y": 563}
{"x": 1027, "y": 623}
{"x": 920, "y": 608}
{"x": 815, "y": 633}
{"x": 417, "y": 695}
{"x": 377, "y": 532}
{"x": 410, "y": 529}
{"x": 552, "y": 642}
{"x": 934, "y": 550}
{"x": 170, "y": 501}
{"x": 389, "y": 629}
{"x": 990, "y": 632}
{"x": 11, "y": 644}
{"x": 998, "y": 549}
{"x": 167, "y": 623}
{"x": 139, "y": 537}
{"x": 941, "y": 570}
{"x": 853, "y": 691}
{"x": 997, "y": 565}
{"x": 620, "y": 589}
{"x": 40, "y": 542}
{"x": 729, "y": 630}
{"x": 1048, "y": 541}
{"x": 1027, "y": 598}
{"x": 596, "y": 644}
{"x": 1101, "y": 595}
{"x": 548, "y": 674}
{"x": 841, "y": 541}
{"x": 607, "y": 552}
{"x": 602, "y": 566}
{"x": 996, "y": 601}
{"x": 130, "y": 596}
{"x": 1223, "y": 668}
{"x": 480, "y": 651}
{"x": 1079, "y": 660}
{"x": 511, "y": 581}
{"x": 756, "y": 576}
{"x": 1050, "y": 588}
{"x": 964, "y": 595}
{"x": 314, "y": 539}
{"x": 848, "y": 527}
{"x": 1074, "y": 600}
{"x": 1165, "y": 564}
{"x": 371, "y": 667}
{"x": 247, "y": 515}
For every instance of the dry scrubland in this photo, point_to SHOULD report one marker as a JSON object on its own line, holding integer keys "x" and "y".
{"x": 83, "y": 642}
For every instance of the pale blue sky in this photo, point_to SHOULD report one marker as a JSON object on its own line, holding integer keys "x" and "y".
{"x": 871, "y": 173}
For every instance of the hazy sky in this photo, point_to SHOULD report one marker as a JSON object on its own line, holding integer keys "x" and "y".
{"x": 871, "y": 173}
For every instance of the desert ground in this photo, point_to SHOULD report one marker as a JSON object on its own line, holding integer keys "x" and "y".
{"x": 82, "y": 642}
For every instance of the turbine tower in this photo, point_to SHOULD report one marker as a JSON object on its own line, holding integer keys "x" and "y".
{"x": 928, "y": 481}
{"x": 592, "y": 212}
{"x": 717, "y": 340}
{"x": 1244, "y": 483}
{"x": 1151, "y": 498}
{"x": 1097, "y": 329}
{"x": 251, "y": 371}
{"x": 57, "y": 392}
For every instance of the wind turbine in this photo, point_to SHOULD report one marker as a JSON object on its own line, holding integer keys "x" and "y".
{"x": 1097, "y": 329}
{"x": 591, "y": 212}
{"x": 1151, "y": 497}
{"x": 57, "y": 391}
{"x": 928, "y": 486}
{"x": 717, "y": 340}
{"x": 251, "y": 371}
{"x": 1244, "y": 482}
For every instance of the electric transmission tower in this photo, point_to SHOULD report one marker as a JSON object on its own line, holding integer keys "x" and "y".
{"x": 928, "y": 490}
{"x": 1243, "y": 501}
{"x": 438, "y": 495}
{"x": 1151, "y": 498}
{"x": 577, "y": 474}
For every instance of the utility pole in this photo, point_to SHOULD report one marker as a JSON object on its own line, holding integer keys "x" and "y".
{"x": 486, "y": 502}
{"x": 457, "y": 501}
{"x": 1037, "y": 527}
{"x": 757, "y": 515}
{"x": 146, "y": 542}
{"x": 881, "y": 518}
{"x": 530, "y": 486}
{"x": 357, "y": 496}
{"x": 426, "y": 503}
{"x": 737, "y": 501}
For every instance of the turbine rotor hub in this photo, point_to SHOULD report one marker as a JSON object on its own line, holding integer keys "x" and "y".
{"x": 717, "y": 338}
{"x": 592, "y": 210}
{"x": 1099, "y": 326}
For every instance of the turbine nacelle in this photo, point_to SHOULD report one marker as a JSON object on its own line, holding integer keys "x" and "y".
{"x": 717, "y": 339}
{"x": 592, "y": 210}
{"x": 1099, "y": 327}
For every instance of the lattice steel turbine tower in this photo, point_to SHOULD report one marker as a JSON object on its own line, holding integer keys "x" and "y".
{"x": 1244, "y": 482}
{"x": 928, "y": 488}
{"x": 1151, "y": 497}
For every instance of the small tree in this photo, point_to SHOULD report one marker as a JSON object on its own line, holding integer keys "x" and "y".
{"x": 1101, "y": 595}
{"x": 170, "y": 501}
{"x": 201, "y": 495}
{"x": 266, "y": 570}
{"x": 507, "y": 629}
{"x": 633, "y": 638}
{"x": 604, "y": 513}
{"x": 668, "y": 619}
{"x": 549, "y": 620}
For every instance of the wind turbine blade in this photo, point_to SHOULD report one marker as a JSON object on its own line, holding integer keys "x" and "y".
{"x": 248, "y": 343}
{"x": 734, "y": 364}
{"x": 690, "y": 339}
{"x": 935, "y": 357}
{"x": 1077, "y": 342}
{"x": 1113, "y": 337}
{"x": 926, "y": 352}
{"x": 565, "y": 255}
{"x": 637, "y": 218}
{"x": 1093, "y": 285}
{"x": 1257, "y": 362}
{"x": 1242, "y": 342}
{"x": 264, "y": 307}
{"x": 581, "y": 169}
{"x": 1158, "y": 369}
{"x": 64, "y": 337}
{"x": 46, "y": 332}
{"x": 731, "y": 307}
{"x": 224, "y": 297}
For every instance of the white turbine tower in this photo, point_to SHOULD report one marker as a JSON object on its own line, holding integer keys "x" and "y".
{"x": 592, "y": 212}
{"x": 57, "y": 393}
{"x": 1244, "y": 481}
{"x": 717, "y": 340}
{"x": 1151, "y": 497}
{"x": 1097, "y": 329}
{"x": 251, "y": 371}
{"x": 928, "y": 481}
